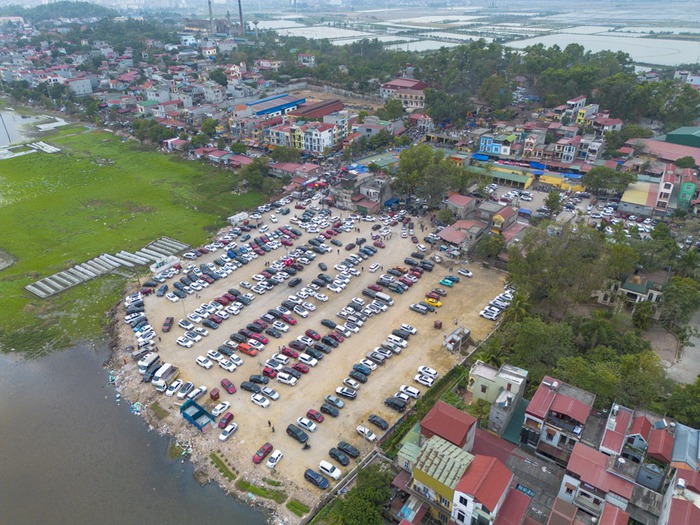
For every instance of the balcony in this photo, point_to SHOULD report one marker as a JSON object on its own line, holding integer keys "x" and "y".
{"x": 566, "y": 424}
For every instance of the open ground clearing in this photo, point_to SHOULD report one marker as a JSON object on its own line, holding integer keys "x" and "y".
{"x": 463, "y": 303}
{"x": 99, "y": 195}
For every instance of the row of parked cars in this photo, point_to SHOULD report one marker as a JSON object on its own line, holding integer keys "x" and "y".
{"x": 497, "y": 305}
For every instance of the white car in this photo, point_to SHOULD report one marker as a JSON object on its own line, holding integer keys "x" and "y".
{"x": 204, "y": 362}
{"x": 409, "y": 329}
{"x": 174, "y": 387}
{"x": 256, "y": 344}
{"x": 427, "y": 371}
{"x": 260, "y": 400}
{"x": 351, "y": 383}
{"x": 465, "y": 272}
{"x": 220, "y": 408}
{"x": 228, "y": 432}
{"x": 305, "y": 340}
{"x": 424, "y": 380}
{"x": 334, "y": 288}
{"x": 279, "y": 325}
{"x": 308, "y": 360}
{"x": 194, "y": 318}
{"x": 281, "y": 358}
{"x": 366, "y": 433}
{"x": 421, "y": 248}
{"x": 214, "y": 355}
{"x": 306, "y": 424}
{"x": 309, "y": 306}
{"x": 374, "y": 267}
{"x": 321, "y": 297}
{"x": 369, "y": 364}
{"x": 183, "y": 341}
{"x": 274, "y": 459}
{"x": 270, "y": 393}
{"x": 227, "y": 365}
{"x": 201, "y": 331}
{"x": 301, "y": 311}
{"x": 489, "y": 314}
{"x": 410, "y": 391}
{"x": 172, "y": 297}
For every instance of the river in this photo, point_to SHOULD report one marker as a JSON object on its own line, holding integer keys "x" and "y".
{"x": 11, "y": 124}
{"x": 72, "y": 455}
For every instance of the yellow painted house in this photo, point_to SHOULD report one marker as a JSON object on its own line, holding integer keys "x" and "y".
{"x": 436, "y": 472}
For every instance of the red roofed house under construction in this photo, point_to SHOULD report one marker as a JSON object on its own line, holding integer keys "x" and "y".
{"x": 457, "y": 427}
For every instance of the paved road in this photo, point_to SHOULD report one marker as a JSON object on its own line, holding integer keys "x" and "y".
{"x": 687, "y": 369}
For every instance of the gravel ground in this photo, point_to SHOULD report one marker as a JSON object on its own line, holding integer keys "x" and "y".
{"x": 462, "y": 304}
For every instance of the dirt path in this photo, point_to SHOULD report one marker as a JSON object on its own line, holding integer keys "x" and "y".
{"x": 462, "y": 303}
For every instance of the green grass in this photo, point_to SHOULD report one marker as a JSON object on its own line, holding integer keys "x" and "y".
{"x": 222, "y": 467}
{"x": 99, "y": 195}
{"x": 159, "y": 411}
{"x": 276, "y": 495}
{"x": 297, "y": 507}
{"x": 272, "y": 482}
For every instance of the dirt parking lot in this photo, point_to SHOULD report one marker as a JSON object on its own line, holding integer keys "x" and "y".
{"x": 461, "y": 305}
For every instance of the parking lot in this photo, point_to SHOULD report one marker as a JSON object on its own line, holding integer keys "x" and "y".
{"x": 460, "y": 306}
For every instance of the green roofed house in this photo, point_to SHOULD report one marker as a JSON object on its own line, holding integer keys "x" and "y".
{"x": 685, "y": 136}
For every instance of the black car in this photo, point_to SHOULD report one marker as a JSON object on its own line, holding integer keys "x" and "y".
{"x": 325, "y": 277}
{"x": 360, "y": 241}
{"x": 376, "y": 227}
{"x": 429, "y": 307}
{"x": 245, "y": 333}
{"x": 378, "y": 421}
{"x": 314, "y": 477}
{"x": 346, "y": 447}
{"x": 326, "y": 340}
{"x": 253, "y": 327}
{"x": 323, "y": 266}
{"x": 394, "y": 272}
{"x": 210, "y": 324}
{"x": 275, "y": 313}
{"x": 259, "y": 379}
{"x": 403, "y": 334}
{"x": 237, "y": 338}
{"x": 328, "y": 323}
{"x": 322, "y": 348}
{"x": 365, "y": 370}
{"x": 339, "y": 456}
{"x": 250, "y": 387}
{"x": 274, "y": 333}
{"x": 426, "y": 265}
{"x": 180, "y": 294}
{"x": 358, "y": 376}
{"x": 161, "y": 291}
{"x": 376, "y": 357}
{"x": 291, "y": 371}
{"x": 225, "y": 350}
{"x": 336, "y": 242}
{"x": 297, "y": 433}
{"x": 417, "y": 255}
{"x": 314, "y": 353}
{"x": 289, "y": 305}
{"x": 297, "y": 345}
{"x": 244, "y": 300}
{"x": 330, "y": 410}
{"x": 319, "y": 283}
{"x": 234, "y": 292}
{"x": 395, "y": 403}
{"x": 294, "y": 282}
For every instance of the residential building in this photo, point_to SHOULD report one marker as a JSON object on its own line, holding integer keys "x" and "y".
{"x": 502, "y": 388}
{"x": 411, "y": 99}
{"x": 309, "y": 110}
{"x": 306, "y": 60}
{"x": 533, "y": 144}
{"x": 461, "y": 206}
{"x": 585, "y": 114}
{"x": 636, "y": 288}
{"x": 557, "y": 418}
{"x": 497, "y": 144}
{"x": 464, "y": 234}
{"x": 80, "y": 86}
{"x": 603, "y": 124}
{"x": 640, "y": 198}
{"x": 450, "y": 423}
{"x": 389, "y": 89}
{"x": 566, "y": 150}
{"x": 214, "y": 93}
{"x": 292, "y": 169}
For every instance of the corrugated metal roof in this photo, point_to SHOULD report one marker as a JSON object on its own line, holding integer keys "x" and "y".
{"x": 443, "y": 461}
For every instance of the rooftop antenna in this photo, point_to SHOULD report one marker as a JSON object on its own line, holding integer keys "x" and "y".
{"x": 211, "y": 19}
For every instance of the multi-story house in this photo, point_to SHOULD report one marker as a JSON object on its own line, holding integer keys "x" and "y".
{"x": 502, "y": 388}
{"x": 266, "y": 63}
{"x": 306, "y": 60}
{"x": 411, "y": 99}
{"x": 566, "y": 150}
{"x": 533, "y": 144}
{"x": 585, "y": 115}
{"x": 497, "y": 144}
{"x": 319, "y": 138}
{"x": 590, "y": 148}
{"x": 602, "y": 124}
{"x": 389, "y": 89}
{"x": 213, "y": 93}
{"x": 557, "y": 418}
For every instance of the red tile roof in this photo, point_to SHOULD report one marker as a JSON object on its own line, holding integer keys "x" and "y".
{"x": 563, "y": 513}
{"x": 514, "y": 508}
{"x": 642, "y": 426}
{"x": 487, "y": 479}
{"x": 660, "y": 445}
{"x": 683, "y": 512}
{"x": 546, "y": 399}
{"x": 506, "y": 212}
{"x": 460, "y": 200}
{"x": 614, "y": 437}
{"x": 447, "y": 422}
{"x": 666, "y": 150}
{"x": 590, "y": 467}
{"x": 452, "y": 235}
{"x": 613, "y": 515}
{"x": 543, "y": 399}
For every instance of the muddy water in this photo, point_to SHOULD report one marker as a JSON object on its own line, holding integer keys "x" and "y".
{"x": 69, "y": 454}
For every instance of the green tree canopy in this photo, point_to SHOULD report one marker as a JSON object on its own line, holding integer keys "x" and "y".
{"x": 285, "y": 154}
{"x": 685, "y": 162}
{"x": 392, "y": 110}
{"x": 218, "y": 75}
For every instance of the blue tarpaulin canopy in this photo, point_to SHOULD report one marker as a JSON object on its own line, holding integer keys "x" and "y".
{"x": 479, "y": 156}
{"x": 538, "y": 166}
{"x": 390, "y": 202}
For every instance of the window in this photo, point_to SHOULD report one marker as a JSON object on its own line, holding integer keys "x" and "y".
{"x": 508, "y": 387}
{"x": 444, "y": 502}
{"x": 460, "y": 517}
{"x": 569, "y": 490}
{"x": 550, "y": 435}
{"x": 483, "y": 389}
{"x": 406, "y": 465}
{"x": 463, "y": 501}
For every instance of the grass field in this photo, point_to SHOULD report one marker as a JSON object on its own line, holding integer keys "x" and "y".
{"x": 99, "y": 195}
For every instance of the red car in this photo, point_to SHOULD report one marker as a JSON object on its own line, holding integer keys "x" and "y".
{"x": 226, "y": 420}
{"x": 417, "y": 275}
{"x": 414, "y": 239}
{"x": 379, "y": 244}
{"x": 315, "y": 415}
{"x": 269, "y": 372}
{"x": 313, "y": 334}
{"x": 406, "y": 281}
{"x": 375, "y": 287}
{"x": 216, "y": 319}
{"x": 259, "y": 251}
{"x": 168, "y": 324}
{"x": 432, "y": 295}
{"x": 301, "y": 367}
{"x": 326, "y": 235}
{"x": 204, "y": 250}
{"x": 222, "y": 300}
{"x": 285, "y": 242}
{"x": 230, "y": 297}
{"x": 261, "y": 323}
{"x": 259, "y": 337}
{"x": 208, "y": 279}
{"x": 289, "y": 319}
{"x": 331, "y": 232}
{"x": 228, "y": 386}
{"x": 262, "y": 452}
{"x": 289, "y": 352}
{"x": 299, "y": 207}
{"x": 336, "y": 336}
{"x": 267, "y": 275}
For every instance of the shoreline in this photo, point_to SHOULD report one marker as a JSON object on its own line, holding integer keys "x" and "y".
{"x": 127, "y": 384}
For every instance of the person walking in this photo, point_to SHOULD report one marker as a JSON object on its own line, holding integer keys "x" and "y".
{"x": 269, "y": 424}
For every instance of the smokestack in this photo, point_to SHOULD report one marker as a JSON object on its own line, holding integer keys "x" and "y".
{"x": 211, "y": 19}
{"x": 240, "y": 16}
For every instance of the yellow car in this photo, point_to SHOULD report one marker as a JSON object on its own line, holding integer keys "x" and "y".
{"x": 433, "y": 302}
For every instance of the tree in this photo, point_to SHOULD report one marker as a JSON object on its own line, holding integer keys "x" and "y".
{"x": 219, "y": 76}
{"x": 255, "y": 173}
{"x": 221, "y": 143}
{"x": 413, "y": 163}
{"x": 496, "y": 91}
{"x": 684, "y": 404}
{"x": 685, "y": 162}
{"x": 490, "y": 245}
{"x": 362, "y": 504}
{"x": 681, "y": 297}
{"x": 445, "y": 216}
{"x": 687, "y": 264}
{"x": 642, "y": 316}
{"x": 392, "y": 110}
{"x": 239, "y": 148}
{"x": 285, "y": 154}
{"x": 601, "y": 179}
{"x": 553, "y": 203}
{"x": 208, "y": 126}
